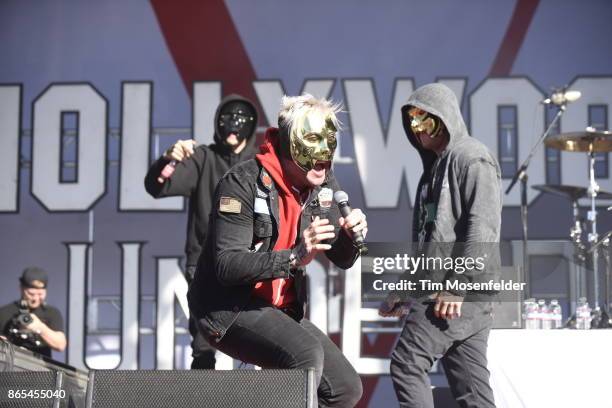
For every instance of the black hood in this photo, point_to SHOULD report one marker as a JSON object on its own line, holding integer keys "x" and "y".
{"x": 219, "y": 145}
{"x": 441, "y": 101}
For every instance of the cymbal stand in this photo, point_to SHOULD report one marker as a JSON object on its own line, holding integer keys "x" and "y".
{"x": 521, "y": 174}
{"x": 606, "y": 246}
{"x": 605, "y": 315}
{"x": 601, "y": 318}
{"x": 593, "y": 236}
{"x": 579, "y": 252}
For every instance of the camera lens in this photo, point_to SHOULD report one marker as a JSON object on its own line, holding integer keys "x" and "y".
{"x": 25, "y": 319}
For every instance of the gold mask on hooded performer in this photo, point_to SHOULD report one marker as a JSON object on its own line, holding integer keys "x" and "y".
{"x": 312, "y": 140}
{"x": 424, "y": 122}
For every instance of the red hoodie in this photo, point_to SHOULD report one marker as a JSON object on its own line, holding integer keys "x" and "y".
{"x": 279, "y": 292}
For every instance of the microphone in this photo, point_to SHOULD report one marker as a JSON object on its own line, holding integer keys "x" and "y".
{"x": 341, "y": 199}
{"x": 560, "y": 98}
{"x": 166, "y": 172}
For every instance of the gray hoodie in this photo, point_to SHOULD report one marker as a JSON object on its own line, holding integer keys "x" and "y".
{"x": 465, "y": 191}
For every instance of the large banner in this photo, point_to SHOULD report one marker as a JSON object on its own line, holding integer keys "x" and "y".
{"x": 92, "y": 92}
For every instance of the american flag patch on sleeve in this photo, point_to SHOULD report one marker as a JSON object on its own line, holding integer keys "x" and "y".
{"x": 230, "y": 205}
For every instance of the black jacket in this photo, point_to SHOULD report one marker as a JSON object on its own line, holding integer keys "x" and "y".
{"x": 231, "y": 263}
{"x": 197, "y": 178}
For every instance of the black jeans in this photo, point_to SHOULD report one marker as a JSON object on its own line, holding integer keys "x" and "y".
{"x": 202, "y": 352}
{"x": 270, "y": 338}
{"x": 461, "y": 343}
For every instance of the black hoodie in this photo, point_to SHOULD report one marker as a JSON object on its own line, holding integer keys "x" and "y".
{"x": 197, "y": 177}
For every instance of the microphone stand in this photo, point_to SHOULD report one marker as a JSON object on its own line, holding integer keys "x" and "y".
{"x": 521, "y": 174}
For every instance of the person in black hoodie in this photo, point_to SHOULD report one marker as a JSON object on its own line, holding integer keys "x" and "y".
{"x": 457, "y": 211}
{"x": 194, "y": 171}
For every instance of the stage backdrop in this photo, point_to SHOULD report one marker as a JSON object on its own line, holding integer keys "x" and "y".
{"x": 91, "y": 92}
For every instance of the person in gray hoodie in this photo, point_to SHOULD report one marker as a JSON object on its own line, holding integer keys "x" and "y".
{"x": 457, "y": 211}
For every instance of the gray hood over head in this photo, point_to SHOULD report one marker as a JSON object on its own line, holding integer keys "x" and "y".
{"x": 458, "y": 203}
{"x": 440, "y": 100}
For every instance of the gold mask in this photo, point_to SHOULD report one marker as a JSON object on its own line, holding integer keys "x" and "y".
{"x": 424, "y": 122}
{"x": 312, "y": 140}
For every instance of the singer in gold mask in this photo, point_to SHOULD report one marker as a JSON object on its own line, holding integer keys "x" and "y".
{"x": 272, "y": 216}
{"x": 313, "y": 139}
{"x": 309, "y": 135}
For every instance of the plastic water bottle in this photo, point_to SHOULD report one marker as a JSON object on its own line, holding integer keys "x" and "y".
{"x": 596, "y": 317}
{"x": 544, "y": 315}
{"x": 530, "y": 314}
{"x": 583, "y": 314}
{"x": 557, "y": 314}
{"x": 525, "y": 315}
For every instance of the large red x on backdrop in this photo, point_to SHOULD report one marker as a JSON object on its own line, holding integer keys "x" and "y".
{"x": 205, "y": 45}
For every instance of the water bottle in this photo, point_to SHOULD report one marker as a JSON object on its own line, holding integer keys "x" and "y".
{"x": 525, "y": 314}
{"x": 596, "y": 317}
{"x": 544, "y": 315}
{"x": 557, "y": 314}
{"x": 580, "y": 313}
{"x": 583, "y": 314}
{"x": 530, "y": 314}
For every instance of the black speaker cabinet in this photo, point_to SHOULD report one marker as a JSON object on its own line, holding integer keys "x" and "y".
{"x": 30, "y": 380}
{"x": 201, "y": 388}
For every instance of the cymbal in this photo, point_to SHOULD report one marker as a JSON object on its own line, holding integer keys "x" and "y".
{"x": 572, "y": 193}
{"x": 581, "y": 142}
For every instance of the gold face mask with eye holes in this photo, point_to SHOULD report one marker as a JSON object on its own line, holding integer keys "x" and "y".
{"x": 312, "y": 140}
{"x": 424, "y": 122}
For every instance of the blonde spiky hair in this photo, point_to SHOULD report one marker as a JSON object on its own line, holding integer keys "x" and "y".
{"x": 293, "y": 107}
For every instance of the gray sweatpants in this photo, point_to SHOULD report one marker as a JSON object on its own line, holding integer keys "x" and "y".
{"x": 461, "y": 343}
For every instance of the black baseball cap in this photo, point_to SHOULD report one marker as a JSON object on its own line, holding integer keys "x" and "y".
{"x": 34, "y": 277}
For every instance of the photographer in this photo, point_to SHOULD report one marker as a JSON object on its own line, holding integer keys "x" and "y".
{"x": 29, "y": 322}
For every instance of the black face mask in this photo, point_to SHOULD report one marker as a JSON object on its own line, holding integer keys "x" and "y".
{"x": 237, "y": 118}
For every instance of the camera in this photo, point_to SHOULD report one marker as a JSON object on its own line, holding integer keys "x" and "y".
{"x": 23, "y": 318}
{"x": 19, "y": 334}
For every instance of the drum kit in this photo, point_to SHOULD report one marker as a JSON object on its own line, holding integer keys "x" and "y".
{"x": 586, "y": 254}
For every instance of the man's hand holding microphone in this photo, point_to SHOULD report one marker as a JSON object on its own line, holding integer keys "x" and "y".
{"x": 321, "y": 230}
